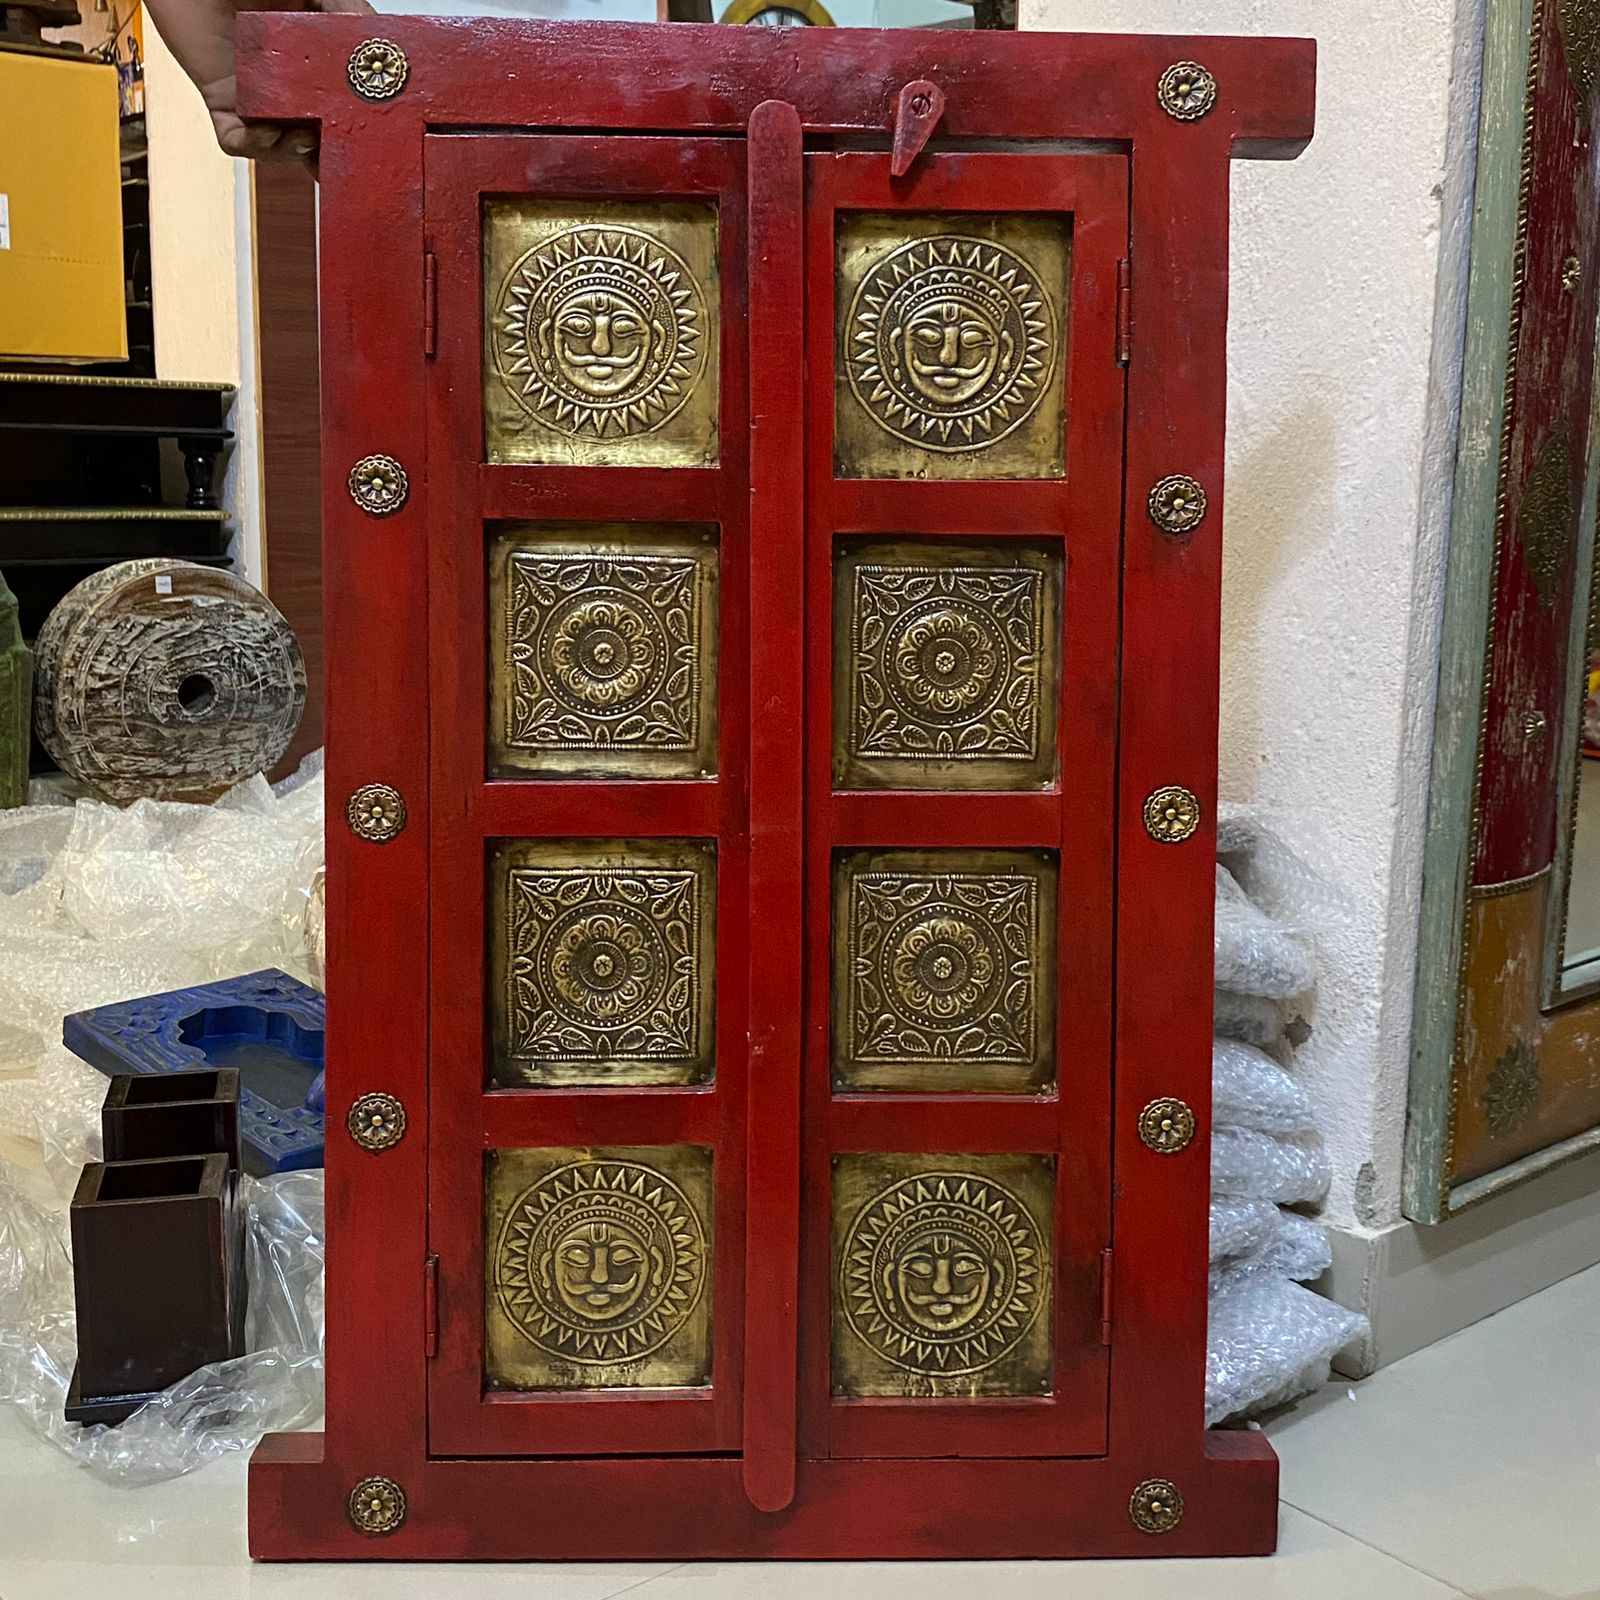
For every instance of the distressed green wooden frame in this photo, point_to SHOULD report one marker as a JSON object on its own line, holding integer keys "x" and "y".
{"x": 1428, "y": 1196}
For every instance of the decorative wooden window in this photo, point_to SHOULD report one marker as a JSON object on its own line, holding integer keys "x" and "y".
{"x": 769, "y": 965}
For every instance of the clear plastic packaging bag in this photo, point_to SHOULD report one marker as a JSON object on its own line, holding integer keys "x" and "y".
{"x": 1250, "y": 1090}
{"x": 1258, "y": 1165}
{"x": 1249, "y": 1018}
{"x": 1292, "y": 1247}
{"x": 1240, "y": 1224}
{"x": 1271, "y": 1341}
{"x": 100, "y": 904}
{"x": 277, "y": 1385}
{"x": 1254, "y": 954}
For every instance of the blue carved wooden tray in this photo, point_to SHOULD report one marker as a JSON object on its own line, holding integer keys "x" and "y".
{"x": 267, "y": 1024}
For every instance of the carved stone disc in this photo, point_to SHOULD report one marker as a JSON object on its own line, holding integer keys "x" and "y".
{"x": 166, "y": 679}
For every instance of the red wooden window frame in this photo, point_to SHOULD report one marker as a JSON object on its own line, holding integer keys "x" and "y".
{"x": 783, "y": 91}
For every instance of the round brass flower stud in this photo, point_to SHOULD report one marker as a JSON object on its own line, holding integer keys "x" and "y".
{"x": 1177, "y": 504}
{"x": 377, "y": 1505}
{"x": 1186, "y": 91}
{"x": 1171, "y": 814}
{"x": 377, "y": 1122}
{"x": 378, "y": 484}
{"x": 1166, "y": 1126}
{"x": 376, "y": 813}
{"x": 378, "y": 69}
{"x": 1156, "y": 1506}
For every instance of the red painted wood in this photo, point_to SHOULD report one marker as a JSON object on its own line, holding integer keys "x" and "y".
{"x": 777, "y": 642}
{"x": 671, "y": 1475}
{"x": 691, "y": 1508}
{"x": 1530, "y": 672}
{"x": 488, "y": 72}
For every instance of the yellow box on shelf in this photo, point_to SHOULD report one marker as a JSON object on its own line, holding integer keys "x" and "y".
{"x": 61, "y": 280}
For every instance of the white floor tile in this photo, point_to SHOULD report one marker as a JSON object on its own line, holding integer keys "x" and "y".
{"x": 1476, "y": 1460}
{"x": 1314, "y": 1562}
{"x": 1470, "y": 1468}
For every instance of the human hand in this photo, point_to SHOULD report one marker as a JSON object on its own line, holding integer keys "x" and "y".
{"x": 199, "y": 33}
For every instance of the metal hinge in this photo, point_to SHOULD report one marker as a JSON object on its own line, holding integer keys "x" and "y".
{"x": 1105, "y": 1296}
{"x": 1124, "y": 312}
{"x": 430, "y": 302}
{"x": 430, "y": 1306}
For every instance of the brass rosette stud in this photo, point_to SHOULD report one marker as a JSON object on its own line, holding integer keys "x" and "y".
{"x": 377, "y": 1122}
{"x": 1186, "y": 91}
{"x": 1166, "y": 1126}
{"x": 378, "y": 484}
{"x": 1156, "y": 1506}
{"x": 376, "y": 812}
{"x": 1177, "y": 504}
{"x": 378, "y": 69}
{"x": 377, "y": 1506}
{"x": 1171, "y": 814}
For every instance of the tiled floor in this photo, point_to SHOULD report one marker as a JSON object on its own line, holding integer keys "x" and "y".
{"x": 1472, "y": 1468}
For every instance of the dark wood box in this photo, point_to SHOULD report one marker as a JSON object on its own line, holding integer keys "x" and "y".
{"x": 159, "y": 1276}
{"x": 149, "y": 1116}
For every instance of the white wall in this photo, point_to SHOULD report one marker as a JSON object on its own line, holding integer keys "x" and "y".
{"x": 1340, "y": 435}
{"x": 202, "y": 275}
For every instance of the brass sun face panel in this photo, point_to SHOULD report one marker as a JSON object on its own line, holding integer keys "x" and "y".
{"x": 600, "y": 961}
{"x": 942, "y": 1275}
{"x": 600, "y": 331}
{"x": 946, "y": 662}
{"x": 599, "y": 1268}
{"x": 603, "y": 652}
{"x": 944, "y": 970}
{"x": 950, "y": 346}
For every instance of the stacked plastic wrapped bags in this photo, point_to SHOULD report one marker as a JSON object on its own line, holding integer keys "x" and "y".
{"x": 1270, "y": 1339}
{"x": 99, "y": 903}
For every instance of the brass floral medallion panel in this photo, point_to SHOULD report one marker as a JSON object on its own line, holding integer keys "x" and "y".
{"x": 942, "y": 1275}
{"x": 600, "y": 961}
{"x": 600, "y": 332}
{"x": 950, "y": 346}
{"x": 946, "y": 662}
{"x": 944, "y": 970}
{"x": 599, "y": 1267}
{"x": 603, "y": 652}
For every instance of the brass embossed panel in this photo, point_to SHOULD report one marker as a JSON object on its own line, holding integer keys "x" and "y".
{"x": 951, "y": 346}
{"x": 599, "y": 1268}
{"x": 603, "y": 652}
{"x": 946, "y": 661}
{"x": 600, "y": 961}
{"x": 944, "y": 970}
{"x": 942, "y": 1269}
{"x": 600, "y": 332}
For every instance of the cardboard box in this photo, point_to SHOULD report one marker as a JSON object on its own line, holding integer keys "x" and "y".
{"x": 61, "y": 286}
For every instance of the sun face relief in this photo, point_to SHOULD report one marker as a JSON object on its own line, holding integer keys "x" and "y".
{"x": 600, "y": 1265}
{"x": 600, "y": 339}
{"x": 601, "y": 330}
{"x": 949, "y": 339}
{"x": 943, "y": 1275}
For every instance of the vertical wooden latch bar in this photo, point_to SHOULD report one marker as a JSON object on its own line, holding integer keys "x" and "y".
{"x": 776, "y": 285}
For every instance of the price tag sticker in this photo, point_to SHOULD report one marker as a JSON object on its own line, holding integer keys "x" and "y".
{"x": 164, "y": 583}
